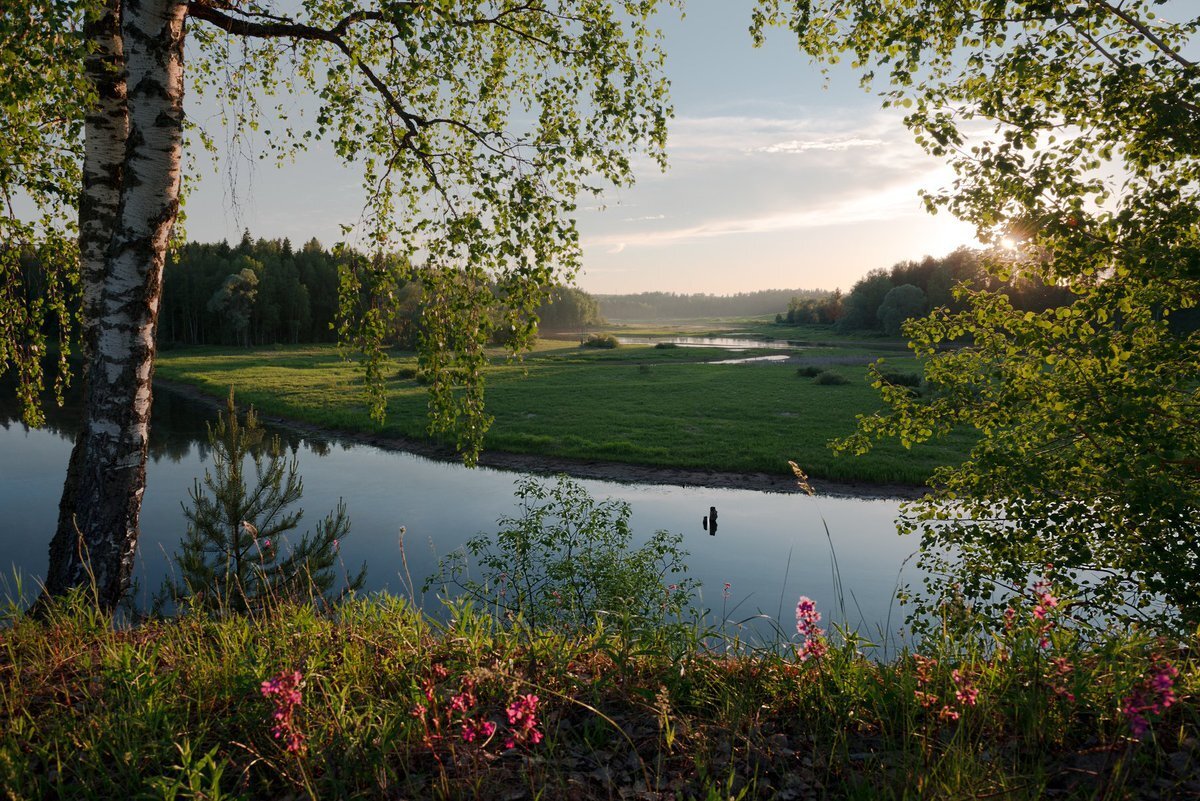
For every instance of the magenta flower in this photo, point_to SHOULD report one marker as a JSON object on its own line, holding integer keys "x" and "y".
{"x": 523, "y": 722}
{"x": 1155, "y": 694}
{"x": 284, "y": 690}
{"x": 814, "y": 646}
{"x": 965, "y": 692}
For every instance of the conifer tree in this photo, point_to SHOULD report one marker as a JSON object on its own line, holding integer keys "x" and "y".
{"x": 235, "y": 557}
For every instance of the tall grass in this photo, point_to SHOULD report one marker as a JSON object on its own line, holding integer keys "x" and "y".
{"x": 388, "y": 696}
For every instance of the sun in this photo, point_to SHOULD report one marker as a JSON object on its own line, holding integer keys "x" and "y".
{"x": 1008, "y": 243}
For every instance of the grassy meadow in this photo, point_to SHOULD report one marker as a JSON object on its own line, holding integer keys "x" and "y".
{"x": 635, "y": 404}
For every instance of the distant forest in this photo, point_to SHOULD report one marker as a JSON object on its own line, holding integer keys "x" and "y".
{"x": 673, "y": 306}
{"x": 884, "y": 298}
{"x": 266, "y": 292}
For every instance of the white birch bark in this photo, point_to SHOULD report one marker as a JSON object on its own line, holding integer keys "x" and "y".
{"x": 111, "y": 474}
{"x": 106, "y": 128}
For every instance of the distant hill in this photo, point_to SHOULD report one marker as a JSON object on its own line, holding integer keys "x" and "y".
{"x": 675, "y": 306}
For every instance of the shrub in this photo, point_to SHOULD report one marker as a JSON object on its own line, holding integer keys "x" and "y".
{"x": 811, "y": 371}
{"x": 901, "y": 379}
{"x": 666, "y": 345}
{"x": 600, "y": 341}
{"x": 408, "y": 371}
{"x": 829, "y": 378}
{"x": 567, "y": 561}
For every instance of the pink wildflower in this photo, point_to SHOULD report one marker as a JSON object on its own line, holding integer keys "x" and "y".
{"x": 1155, "y": 694}
{"x": 522, "y": 718}
{"x": 472, "y": 729}
{"x": 284, "y": 690}
{"x": 1058, "y": 679}
{"x": 814, "y": 646}
{"x": 1010, "y": 617}
{"x": 964, "y": 691}
{"x": 948, "y": 714}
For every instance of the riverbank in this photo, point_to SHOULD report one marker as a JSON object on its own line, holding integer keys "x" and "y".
{"x": 375, "y": 700}
{"x": 578, "y": 468}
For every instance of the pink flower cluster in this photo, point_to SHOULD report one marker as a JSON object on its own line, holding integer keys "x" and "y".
{"x": 1046, "y": 602}
{"x": 807, "y": 618}
{"x": 522, "y": 718}
{"x": 464, "y": 703}
{"x": 1060, "y": 676}
{"x": 284, "y": 690}
{"x": 965, "y": 692}
{"x": 1156, "y": 693}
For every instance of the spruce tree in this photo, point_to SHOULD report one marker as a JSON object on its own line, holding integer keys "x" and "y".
{"x": 235, "y": 556}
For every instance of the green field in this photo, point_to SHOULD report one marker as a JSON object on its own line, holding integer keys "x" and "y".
{"x": 635, "y": 404}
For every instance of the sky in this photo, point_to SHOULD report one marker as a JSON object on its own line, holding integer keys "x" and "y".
{"x": 777, "y": 178}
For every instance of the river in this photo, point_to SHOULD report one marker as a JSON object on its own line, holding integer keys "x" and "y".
{"x": 770, "y": 547}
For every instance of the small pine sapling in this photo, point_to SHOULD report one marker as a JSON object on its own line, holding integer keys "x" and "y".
{"x": 234, "y": 557}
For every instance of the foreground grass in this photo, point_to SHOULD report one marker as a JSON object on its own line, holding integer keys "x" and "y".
{"x": 394, "y": 705}
{"x": 637, "y": 405}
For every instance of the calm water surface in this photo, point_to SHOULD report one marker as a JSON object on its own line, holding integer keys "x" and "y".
{"x": 769, "y": 547}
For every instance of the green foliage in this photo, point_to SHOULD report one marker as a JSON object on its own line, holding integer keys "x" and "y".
{"x": 900, "y": 378}
{"x": 607, "y": 341}
{"x": 861, "y": 306}
{"x": 901, "y": 303}
{"x": 474, "y": 153}
{"x": 233, "y": 557}
{"x": 823, "y": 309}
{"x": 567, "y": 308}
{"x": 234, "y": 301}
{"x": 828, "y": 378}
{"x": 567, "y": 563}
{"x": 809, "y": 371}
{"x": 1090, "y": 180}
{"x": 295, "y": 301}
{"x": 665, "y": 345}
{"x": 42, "y": 51}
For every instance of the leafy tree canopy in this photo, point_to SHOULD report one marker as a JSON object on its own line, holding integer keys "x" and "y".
{"x": 476, "y": 125}
{"x": 1074, "y": 131}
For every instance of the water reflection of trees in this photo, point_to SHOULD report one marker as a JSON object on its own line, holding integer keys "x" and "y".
{"x": 178, "y": 423}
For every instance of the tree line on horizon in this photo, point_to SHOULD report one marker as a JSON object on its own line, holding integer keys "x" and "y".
{"x": 682, "y": 306}
{"x": 266, "y": 292}
{"x": 883, "y": 299}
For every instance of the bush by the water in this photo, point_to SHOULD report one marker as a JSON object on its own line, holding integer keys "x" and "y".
{"x": 830, "y": 378}
{"x": 568, "y": 561}
{"x": 600, "y": 341}
{"x": 809, "y": 371}
{"x": 666, "y": 345}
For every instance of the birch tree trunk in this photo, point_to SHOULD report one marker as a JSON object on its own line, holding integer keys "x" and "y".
{"x": 106, "y": 127}
{"x": 99, "y": 514}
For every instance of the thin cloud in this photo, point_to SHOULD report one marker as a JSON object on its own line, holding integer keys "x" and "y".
{"x": 888, "y": 204}
{"x": 805, "y": 145}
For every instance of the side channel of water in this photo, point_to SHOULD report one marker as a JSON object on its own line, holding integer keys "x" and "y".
{"x": 769, "y": 547}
